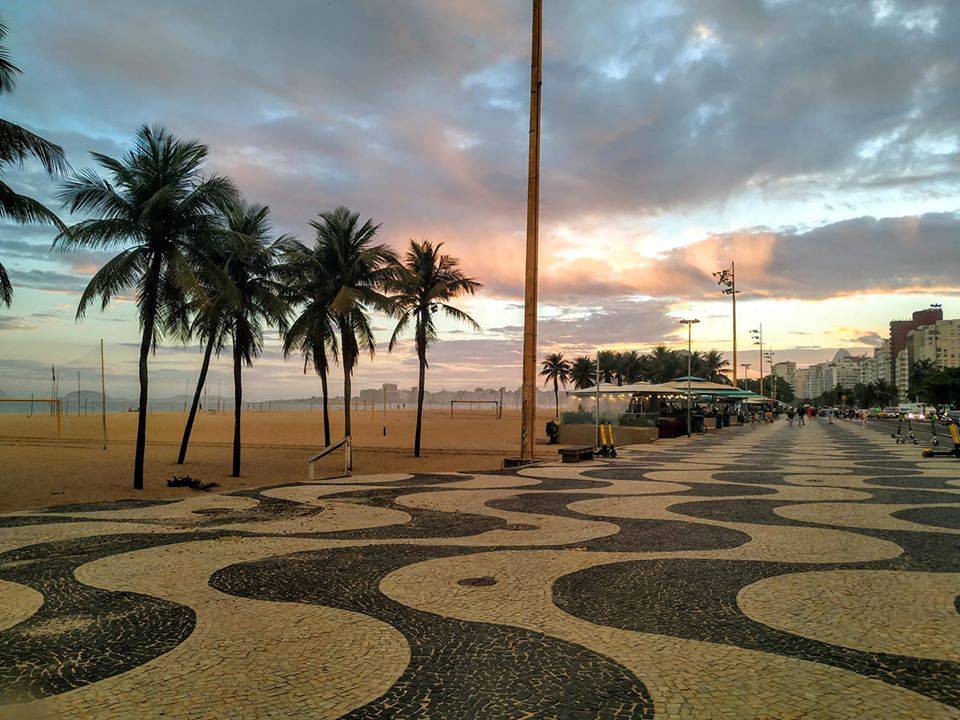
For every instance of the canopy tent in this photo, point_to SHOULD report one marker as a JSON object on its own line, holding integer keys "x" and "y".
{"x": 640, "y": 388}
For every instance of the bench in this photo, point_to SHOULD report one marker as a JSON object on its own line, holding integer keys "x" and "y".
{"x": 576, "y": 454}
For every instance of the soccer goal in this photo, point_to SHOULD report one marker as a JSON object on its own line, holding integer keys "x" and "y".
{"x": 347, "y": 447}
{"x": 33, "y": 406}
{"x": 475, "y": 408}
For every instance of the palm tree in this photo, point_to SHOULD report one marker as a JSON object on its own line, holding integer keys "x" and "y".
{"x": 555, "y": 368}
{"x": 313, "y": 332}
{"x": 251, "y": 267}
{"x": 608, "y": 365}
{"x": 666, "y": 363}
{"x": 18, "y": 144}
{"x": 884, "y": 392}
{"x": 359, "y": 271}
{"x": 163, "y": 212}
{"x": 426, "y": 282}
{"x": 712, "y": 366}
{"x": 583, "y": 372}
{"x": 209, "y": 321}
{"x": 631, "y": 366}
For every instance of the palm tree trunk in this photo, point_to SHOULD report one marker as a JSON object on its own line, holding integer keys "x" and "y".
{"x": 420, "y": 383}
{"x": 149, "y": 321}
{"x": 346, "y": 399}
{"x": 326, "y": 408}
{"x": 196, "y": 399}
{"x": 237, "y": 405}
{"x": 142, "y": 407}
{"x": 556, "y": 396}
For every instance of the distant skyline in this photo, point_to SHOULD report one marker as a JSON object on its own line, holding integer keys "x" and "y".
{"x": 814, "y": 142}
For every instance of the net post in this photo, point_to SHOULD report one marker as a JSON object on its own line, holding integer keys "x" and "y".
{"x": 103, "y": 395}
{"x": 57, "y": 402}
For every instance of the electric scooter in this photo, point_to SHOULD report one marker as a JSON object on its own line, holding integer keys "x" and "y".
{"x": 951, "y": 423}
{"x": 910, "y": 438}
{"x": 607, "y": 448}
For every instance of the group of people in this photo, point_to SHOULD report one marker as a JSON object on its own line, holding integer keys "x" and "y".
{"x": 801, "y": 413}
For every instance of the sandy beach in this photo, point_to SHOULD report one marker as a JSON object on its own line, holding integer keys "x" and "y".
{"x": 39, "y": 470}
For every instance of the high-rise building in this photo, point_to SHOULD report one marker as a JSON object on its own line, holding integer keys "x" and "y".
{"x": 882, "y": 363}
{"x": 787, "y": 370}
{"x": 814, "y": 381}
{"x": 902, "y": 374}
{"x": 899, "y": 329}
{"x": 801, "y": 389}
{"x": 939, "y": 343}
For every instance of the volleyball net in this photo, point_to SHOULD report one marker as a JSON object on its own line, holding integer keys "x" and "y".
{"x": 35, "y": 399}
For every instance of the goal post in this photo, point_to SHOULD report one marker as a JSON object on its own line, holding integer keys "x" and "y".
{"x": 473, "y": 404}
{"x": 347, "y": 446}
{"x": 54, "y": 404}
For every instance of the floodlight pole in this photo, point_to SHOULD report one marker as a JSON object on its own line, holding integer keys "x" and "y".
{"x": 689, "y": 324}
{"x": 597, "y": 433}
{"x": 733, "y": 297}
{"x": 528, "y": 410}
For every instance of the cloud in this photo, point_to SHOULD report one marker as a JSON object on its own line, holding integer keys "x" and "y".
{"x": 47, "y": 280}
{"x": 658, "y": 118}
{"x": 12, "y": 322}
{"x": 853, "y": 256}
{"x": 871, "y": 338}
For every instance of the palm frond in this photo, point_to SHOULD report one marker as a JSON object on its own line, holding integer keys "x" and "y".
{"x": 6, "y": 288}
{"x": 119, "y": 274}
{"x": 8, "y": 71}
{"x": 17, "y": 144}
{"x": 24, "y": 210}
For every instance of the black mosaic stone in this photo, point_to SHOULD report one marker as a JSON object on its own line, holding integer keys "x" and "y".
{"x": 945, "y": 517}
{"x": 82, "y": 634}
{"x": 457, "y": 669}
{"x": 697, "y": 600}
{"x": 129, "y": 504}
{"x": 634, "y": 535}
{"x": 910, "y": 481}
{"x": 750, "y": 477}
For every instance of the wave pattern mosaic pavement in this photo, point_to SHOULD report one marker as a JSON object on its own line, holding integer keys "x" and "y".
{"x": 776, "y": 572}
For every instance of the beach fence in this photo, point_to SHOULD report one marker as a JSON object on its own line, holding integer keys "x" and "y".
{"x": 45, "y": 395}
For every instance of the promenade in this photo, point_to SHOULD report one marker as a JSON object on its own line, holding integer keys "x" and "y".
{"x": 775, "y": 572}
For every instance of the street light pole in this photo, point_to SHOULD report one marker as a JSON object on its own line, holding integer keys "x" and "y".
{"x": 758, "y": 340}
{"x": 746, "y": 374}
{"x": 689, "y": 324}
{"x": 528, "y": 411}
{"x": 727, "y": 279}
{"x": 773, "y": 378}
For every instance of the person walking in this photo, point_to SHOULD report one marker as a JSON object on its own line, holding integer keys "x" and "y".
{"x": 801, "y": 416}
{"x": 790, "y": 415}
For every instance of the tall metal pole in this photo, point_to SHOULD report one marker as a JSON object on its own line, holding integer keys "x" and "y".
{"x": 528, "y": 410}
{"x": 78, "y": 393}
{"x": 689, "y": 370}
{"x": 597, "y": 433}
{"x": 733, "y": 295}
{"x": 689, "y": 324}
{"x": 103, "y": 395}
{"x": 761, "y": 359}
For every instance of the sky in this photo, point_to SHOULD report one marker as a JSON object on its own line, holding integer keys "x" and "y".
{"x": 816, "y": 143}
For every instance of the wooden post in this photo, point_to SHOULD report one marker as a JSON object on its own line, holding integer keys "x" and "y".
{"x": 103, "y": 395}
{"x": 528, "y": 410}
